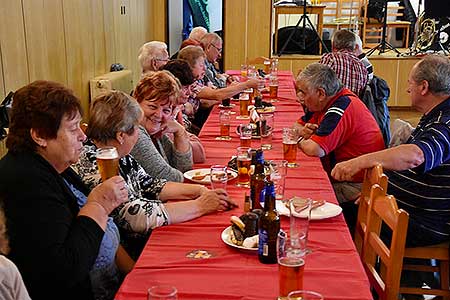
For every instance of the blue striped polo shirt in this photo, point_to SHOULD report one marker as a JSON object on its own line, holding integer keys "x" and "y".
{"x": 424, "y": 191}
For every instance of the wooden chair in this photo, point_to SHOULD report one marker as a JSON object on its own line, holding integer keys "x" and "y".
{"x": 341, "y": 14}
{"x": 384, "y": 209}
{"x": 438, "y": 252}
{"x": 372, "y": 28}
{"x": 372, "y": 176}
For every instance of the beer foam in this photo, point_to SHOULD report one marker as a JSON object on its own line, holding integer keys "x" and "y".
{"x": 107, "y": 155}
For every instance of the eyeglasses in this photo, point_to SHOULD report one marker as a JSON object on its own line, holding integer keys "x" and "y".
{"x": 217, "y": 48}
{"x": 162, "y": 59}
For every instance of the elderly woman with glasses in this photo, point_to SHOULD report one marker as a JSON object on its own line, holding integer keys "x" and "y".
{"x": 115, "y": 119}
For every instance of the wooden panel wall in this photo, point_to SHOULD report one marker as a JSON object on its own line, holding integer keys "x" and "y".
{"x": 392, "y": 69}
{"x": 246, "y": 30}
{"x": 12, "y": 45}
{"x": 72, "y": 41}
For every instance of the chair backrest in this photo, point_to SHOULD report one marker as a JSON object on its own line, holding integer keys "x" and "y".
{"x": 383, "y": 209}
{"x": 372, "y": 176}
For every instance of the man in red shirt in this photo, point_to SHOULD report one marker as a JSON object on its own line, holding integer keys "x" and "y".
{"x": 337, "y": 125}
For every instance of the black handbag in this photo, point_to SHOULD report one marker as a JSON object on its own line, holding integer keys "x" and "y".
{"x": 5, "y": 108}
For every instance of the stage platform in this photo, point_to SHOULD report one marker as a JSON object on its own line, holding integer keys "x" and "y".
{"x": 387, "y": 65}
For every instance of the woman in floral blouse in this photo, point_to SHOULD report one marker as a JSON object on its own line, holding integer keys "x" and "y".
{"x": 114, "y": 121}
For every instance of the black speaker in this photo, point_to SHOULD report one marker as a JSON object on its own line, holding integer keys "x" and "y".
{"x": 294, "y": 46}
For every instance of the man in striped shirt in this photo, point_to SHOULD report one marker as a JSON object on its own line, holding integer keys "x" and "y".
{"x": 419, "y": 170}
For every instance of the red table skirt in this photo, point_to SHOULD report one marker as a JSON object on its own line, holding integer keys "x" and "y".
{"x": 332, "y": 269}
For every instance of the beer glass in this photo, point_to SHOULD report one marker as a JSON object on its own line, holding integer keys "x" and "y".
{"x": 224, "y": 120}
{"x": 219, "y": 177}
{"x": 162, "y": 292}
{"x": 267, "y": 64}
{"x": 304, "y": 295}
{"x": 266, "y": 124}
{"x": 244, "y": 160}
{"x": 278, "y": 172}
{"x": 291, "y": 264}
{"x": 245, "y": 133}
{"x": 273, "y": 88}
{"x": 243, "y": 106}
{"x": 290, "y": 136}
{"x": 108, "y": 162}
{"x": 243, "y": 72}
{"x": 300, "y": 214}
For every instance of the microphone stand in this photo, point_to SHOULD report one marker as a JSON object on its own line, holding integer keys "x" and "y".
{"x": 383, "y": 45}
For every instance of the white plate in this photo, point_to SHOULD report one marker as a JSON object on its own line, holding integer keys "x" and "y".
{"x": 328, "y": 210}
{"x": 207, "y": 180}
{"x": 227, "y": 240}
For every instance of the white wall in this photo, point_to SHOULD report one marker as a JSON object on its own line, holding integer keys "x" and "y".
{"x": 215, "y": 15}
{"x": 175, "y": 22}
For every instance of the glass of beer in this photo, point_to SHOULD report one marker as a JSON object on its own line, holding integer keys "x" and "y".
{"x": 304, "y": 295}
{"x": 290, "y": 136}
{"x": 291, "y": 265}
{"x": 273, "y": 88}
{"x": 266, "y": 129}
{"x": 224, "y": 120}
{"x": 243, "y": 106}
{"x": 108, "y": 162}
{"x": 245, "y": 133}
{"x": 219, "y": 177}
{"x": 267, "y": 65}
{"x": 244, "y": 160}
{"x": 243, "y": 72}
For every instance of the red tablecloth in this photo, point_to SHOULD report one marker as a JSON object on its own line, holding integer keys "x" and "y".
{"x": 333, "y": 268}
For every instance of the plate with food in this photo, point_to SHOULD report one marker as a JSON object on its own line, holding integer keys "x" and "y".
{"x": 243, "y": 232}
{"x": 202, "y": 176}
{"x": 265, "y": 110}
{"x": 321, "y": 209}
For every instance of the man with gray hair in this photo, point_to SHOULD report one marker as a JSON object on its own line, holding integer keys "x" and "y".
{"x": 212, "y": 46}
{"x": 197, "y": 33}
{"x": 337, "y": 125}
{"x": 343, "y": 60}
{"x": 152, "y": 56}
{"x": 419, "y": 169}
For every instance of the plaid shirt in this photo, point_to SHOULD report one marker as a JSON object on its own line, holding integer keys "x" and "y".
{"x": 349, "y": 69}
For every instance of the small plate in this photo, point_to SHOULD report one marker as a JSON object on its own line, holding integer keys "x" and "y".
{"x": 227, "y": 240}
{"x": 207, "y": 180}
{"x": 328, "y": 210}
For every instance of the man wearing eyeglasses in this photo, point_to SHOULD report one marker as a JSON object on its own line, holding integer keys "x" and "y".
{"x": 153, "y": 56}
{"x": 212, "y": 46}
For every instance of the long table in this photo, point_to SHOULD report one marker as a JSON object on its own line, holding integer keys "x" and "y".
{"x": 332, "y": 269}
